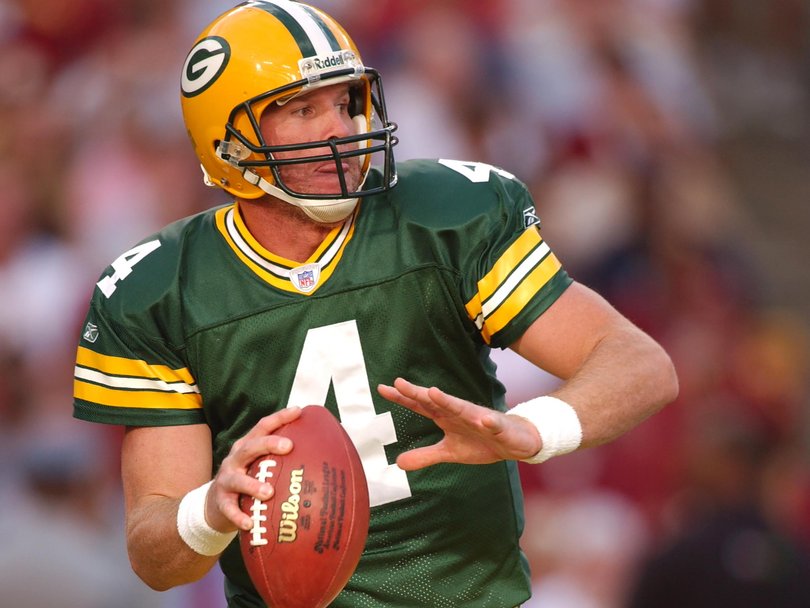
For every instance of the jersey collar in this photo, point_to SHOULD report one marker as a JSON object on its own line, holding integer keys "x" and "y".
{"x": 280, "y": 272}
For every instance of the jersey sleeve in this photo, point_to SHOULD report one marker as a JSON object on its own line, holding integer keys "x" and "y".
{"x": 512, "y": 276}
{"x": 130, "y": 366}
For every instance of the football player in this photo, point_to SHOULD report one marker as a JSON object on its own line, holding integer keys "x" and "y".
{"x": 334, "y": 276}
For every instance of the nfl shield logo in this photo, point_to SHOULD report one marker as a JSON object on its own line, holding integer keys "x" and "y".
{"x": 306, "y": 277}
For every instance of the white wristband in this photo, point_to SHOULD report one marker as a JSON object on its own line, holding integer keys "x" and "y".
{"x": 193, "y": 528}
{"x": 556, "y": 421}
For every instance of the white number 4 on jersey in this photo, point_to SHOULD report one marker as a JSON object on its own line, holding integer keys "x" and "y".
{"x": 122, "y": 266}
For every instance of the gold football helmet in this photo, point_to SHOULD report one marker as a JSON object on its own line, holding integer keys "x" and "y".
{"x": 264, "y": 52}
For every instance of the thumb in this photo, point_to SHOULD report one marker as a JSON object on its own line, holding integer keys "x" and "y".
{"x": 419, "y": 458}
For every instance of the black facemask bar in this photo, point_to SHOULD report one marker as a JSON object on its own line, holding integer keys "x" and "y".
{"x": 379, "y": 140}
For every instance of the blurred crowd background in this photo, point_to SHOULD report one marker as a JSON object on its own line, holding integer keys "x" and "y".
{"x": 667, "y": 145}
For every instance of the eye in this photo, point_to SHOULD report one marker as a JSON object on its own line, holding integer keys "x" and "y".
{"x": 303, "y": 111}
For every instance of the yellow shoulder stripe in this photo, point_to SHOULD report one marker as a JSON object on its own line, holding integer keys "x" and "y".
{"x": 121, "y": 366}
{"x": 136, "y": 399}
{"x": 516, "y": 277}
{"x": 521, "y": 296}
{"x": 510, "y": 259}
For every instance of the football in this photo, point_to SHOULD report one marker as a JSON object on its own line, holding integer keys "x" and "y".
{"x": 307, "y": 539}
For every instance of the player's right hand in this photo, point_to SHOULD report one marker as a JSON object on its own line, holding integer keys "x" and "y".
{"x": 222, "y": 510}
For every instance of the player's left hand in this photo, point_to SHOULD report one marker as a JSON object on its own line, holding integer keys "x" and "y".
{"x": 473, "y": 434}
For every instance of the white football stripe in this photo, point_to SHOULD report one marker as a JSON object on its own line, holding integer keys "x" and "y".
{"x": 141, "y": 384}
{"x": 311, "y": 27}
{"x": 520, "y": 273}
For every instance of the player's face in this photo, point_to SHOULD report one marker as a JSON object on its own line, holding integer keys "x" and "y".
{"x": 316, "y": 116}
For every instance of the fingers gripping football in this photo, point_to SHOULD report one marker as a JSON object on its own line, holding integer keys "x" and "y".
{"x": 222, "y": 505}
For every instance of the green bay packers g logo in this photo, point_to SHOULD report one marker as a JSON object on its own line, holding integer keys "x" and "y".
{"x": 204, "y": 64}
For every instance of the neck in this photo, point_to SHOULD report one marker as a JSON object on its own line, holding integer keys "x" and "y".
{"x": 282, "y": 228}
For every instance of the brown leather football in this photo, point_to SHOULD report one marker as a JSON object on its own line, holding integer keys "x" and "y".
{"x": 307, "y": 539}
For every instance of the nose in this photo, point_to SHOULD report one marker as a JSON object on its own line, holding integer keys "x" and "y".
{"x": 337, "y": 124}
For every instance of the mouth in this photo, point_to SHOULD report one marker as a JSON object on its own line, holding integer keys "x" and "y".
{"x": 321, "y": 177}
{"x": 330, "y": 168}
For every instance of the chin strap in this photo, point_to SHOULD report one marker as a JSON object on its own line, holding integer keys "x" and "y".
{"x": 324, "y": 211}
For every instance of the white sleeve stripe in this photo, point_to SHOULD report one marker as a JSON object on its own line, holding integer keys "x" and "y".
{"x": 518, "y": 274}
{"x": 141, "y": 384}
{"x": 279, "y": 271}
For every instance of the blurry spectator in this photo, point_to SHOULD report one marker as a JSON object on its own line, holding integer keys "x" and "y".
{"x": 39, "y": 279}
{"x": 583, "y": 546}
{"x": 755, "y": 60}
{"x": 433, "y": 88}
{"x": 727, "y": 550}
{"x": 65, "y": 30}
{"x": 768, "y": 368}
{"x": 62, "y": 544}
{"x": 127, "y": 172}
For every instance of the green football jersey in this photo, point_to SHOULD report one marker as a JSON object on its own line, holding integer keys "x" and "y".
{"x": 200, "y": 324}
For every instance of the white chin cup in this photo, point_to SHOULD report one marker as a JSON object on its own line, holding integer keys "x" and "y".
{"x": 323, "y": 211}
{"x": 327, "y": 212}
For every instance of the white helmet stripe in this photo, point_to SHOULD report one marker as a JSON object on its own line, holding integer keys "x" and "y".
{"x": 313, "y": 26}
{"x": 312, "y": 35}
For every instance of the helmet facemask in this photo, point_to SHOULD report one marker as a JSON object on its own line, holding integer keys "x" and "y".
{"x": 262, "y": 165}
